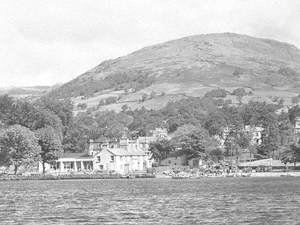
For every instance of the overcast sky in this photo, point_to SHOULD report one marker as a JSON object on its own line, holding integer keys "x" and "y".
{"x": 48, "y": 42}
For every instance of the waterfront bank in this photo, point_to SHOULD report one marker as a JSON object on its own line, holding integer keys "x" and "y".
{"x": 157, "y": 176}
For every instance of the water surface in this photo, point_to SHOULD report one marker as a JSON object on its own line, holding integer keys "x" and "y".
{"x": 152, "y": 201}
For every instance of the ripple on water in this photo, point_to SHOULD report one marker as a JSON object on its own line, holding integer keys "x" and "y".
{"x": 151, "y": 201}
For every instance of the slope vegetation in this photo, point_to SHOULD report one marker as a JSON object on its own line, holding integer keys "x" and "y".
{"x": 190, "y": 67}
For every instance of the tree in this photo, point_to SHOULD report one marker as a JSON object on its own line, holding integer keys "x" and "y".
{"x": 152, "y": 94}
{"x": 215, "y": 123}
{"x": 195, "y": 143}
{"x": 295, "y": 100}
{"x": 62, "y": 108}
{"x": 50, "y": 143}
{"x": 124, "y": 108}
{"x": 239, "y": 93}
{"x": 286, "y": 132}
{"x": 294, "y": 112}
{"x": 82, "y": 106}
{"x": 291, "y": 154}
{"x": 6, "y": 104}
{"x": 160, "y": 149}
{"x": 18, "y": 147}
{"x": 216, "y": 93}
{"x": 144, "y": 97}
{"x": 216, "y": 155}
{"x": 235, "y": 141}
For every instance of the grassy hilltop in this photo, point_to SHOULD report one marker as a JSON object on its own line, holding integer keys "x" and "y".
{"x": 189, "y": 66}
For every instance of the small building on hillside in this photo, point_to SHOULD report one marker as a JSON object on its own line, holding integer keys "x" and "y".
{"x": 297, "y": 125}
{"x": 271, "y": 163}
{"x": 195, "y": 162}
{"x": 256, "y": 133}
{"x": 157, "y": 134}
{"x": 176, "y": 158}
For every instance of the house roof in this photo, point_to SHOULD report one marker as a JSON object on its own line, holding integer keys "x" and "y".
{"x": 265, "y": 162}
{"x": 176, "y": 154}
{"x": 81, "y": 155}
{"x": 125, "y": 152}
{"x": 101, "y": 140}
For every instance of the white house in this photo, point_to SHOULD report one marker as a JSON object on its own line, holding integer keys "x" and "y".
{"x": 256, "y": 132}
{"x": 297, "y": 125}
{"x": 123, "y": 157}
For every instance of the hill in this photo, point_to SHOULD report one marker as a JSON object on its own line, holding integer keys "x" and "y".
{"x": 189, "y": 66}
{"x": 27, "y": 92}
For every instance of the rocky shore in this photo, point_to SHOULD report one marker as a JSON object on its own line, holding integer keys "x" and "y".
{"x": 73, "y": 176}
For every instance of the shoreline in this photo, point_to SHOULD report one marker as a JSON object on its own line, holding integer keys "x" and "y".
{"x": 73, "y": 177}
{"x": 96, "y": 176}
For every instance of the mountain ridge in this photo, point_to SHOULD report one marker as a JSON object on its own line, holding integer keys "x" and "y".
{"x": 220, "y": 60}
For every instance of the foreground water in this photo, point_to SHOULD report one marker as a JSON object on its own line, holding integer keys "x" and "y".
{"x": 152, "y": 201}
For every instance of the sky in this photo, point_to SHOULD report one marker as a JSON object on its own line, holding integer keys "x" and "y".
{"x": 54, "y": 41}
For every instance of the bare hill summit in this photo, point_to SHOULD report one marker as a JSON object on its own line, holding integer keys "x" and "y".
{"x": 191, "y": 66}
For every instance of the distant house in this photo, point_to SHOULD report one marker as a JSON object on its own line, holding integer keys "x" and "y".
{"x": 176, "y": 158}
{"x": 275, "y": 164}
{"x": 195, "y": 162}
{"x": 144, "y": 142}
{"x": 297, "y": 125}
{"x": 256, "y": 133}
{"x": 123, "y": 157}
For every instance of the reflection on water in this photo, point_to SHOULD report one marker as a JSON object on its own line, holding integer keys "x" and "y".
{"x": 152, "y": 201}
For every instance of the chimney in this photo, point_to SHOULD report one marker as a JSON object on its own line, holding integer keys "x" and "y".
{"x": 91, "y": 147}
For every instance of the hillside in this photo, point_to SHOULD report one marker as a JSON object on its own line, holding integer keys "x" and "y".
{"x": 189, "y": 67}
{"x": 27, "y": 92}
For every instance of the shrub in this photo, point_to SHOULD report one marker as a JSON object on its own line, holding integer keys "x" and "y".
{"x": 228, "y": 102}
{"x": 82, "y": 106}
{"x": 216, "y": 93}
{"x": 239, "y": 92}
{"x": 152, "y": 94}
{"x": 295, "y": 100}
{"x": 111, "y": 100}
{"x": 144, "y": 97}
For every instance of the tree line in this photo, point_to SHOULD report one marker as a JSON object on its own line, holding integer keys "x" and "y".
{"x": 50, "y": 128}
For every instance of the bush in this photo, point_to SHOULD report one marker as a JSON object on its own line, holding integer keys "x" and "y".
{"x": 162, "y": 93}
{"x": 286, "y": 71}
{"x": 228, "y": 102}
{"x": 237, "y": 72}
{"x": 111, "y": 100}
{"x": 144, "y": 97}
{"x": 220, "y": 102}
{"x": 82, "y": 106}
{"x": 239, "y": 92}
{"x": 101, "y": 102}
{"x": 216, "y": 93}
{"x": 295, "y": 100}
{"x": 152, "y": 94}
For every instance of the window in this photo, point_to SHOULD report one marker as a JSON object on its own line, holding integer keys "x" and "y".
{"x": 98, "y": 159}
{"x": 112, "y": 158}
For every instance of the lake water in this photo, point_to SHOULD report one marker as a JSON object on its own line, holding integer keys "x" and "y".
{"x": 152, "y": 201}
